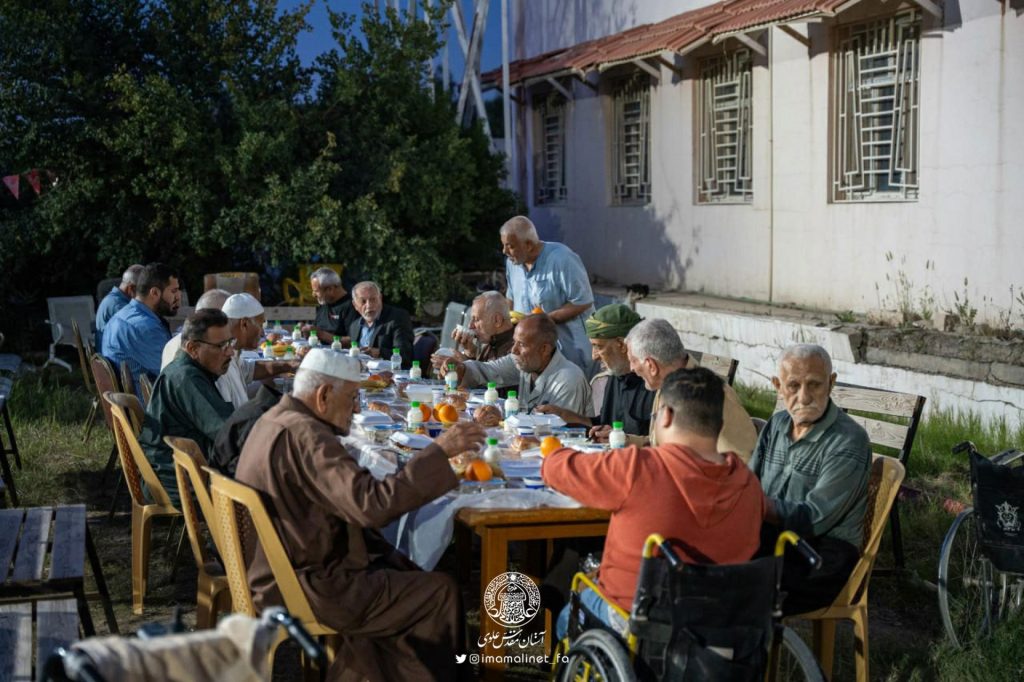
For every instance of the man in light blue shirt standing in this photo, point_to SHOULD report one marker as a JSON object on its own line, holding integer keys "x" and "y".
{"x": 119, "y": 297}
{"x": 549, "y": 276}
{"x": 138, "y": 332}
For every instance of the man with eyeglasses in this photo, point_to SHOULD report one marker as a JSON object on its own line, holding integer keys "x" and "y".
{"x": 186, "y": 402}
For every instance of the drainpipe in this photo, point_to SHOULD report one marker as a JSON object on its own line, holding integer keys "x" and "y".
{"x": 771, "y": 167}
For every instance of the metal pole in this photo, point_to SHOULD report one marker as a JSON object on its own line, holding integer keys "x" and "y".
{"x": 506, "y": 87}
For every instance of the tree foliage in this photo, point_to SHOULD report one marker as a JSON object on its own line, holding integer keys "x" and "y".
{"x": 187, "y": 131}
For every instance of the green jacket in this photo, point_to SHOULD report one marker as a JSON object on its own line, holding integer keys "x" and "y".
{"x": 185, "y": 403}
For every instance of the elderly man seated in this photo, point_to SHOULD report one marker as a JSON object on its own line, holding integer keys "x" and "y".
{"x": 814, "y": 463}
{"x": 334, "y": 305}
{"x": 704, "y": 501}
{"x": 185, "y": 399}
{"x": 655, "y": 351}
{"x": 626, "y": 398}
{"x": 117, "y": 298}
{"x": 397, "y": 622}
{"x": 542, "y": 375}
{"x": 489, "y": 336}
{"x": 138, "y": 332}
{"x": 379, "y": 328}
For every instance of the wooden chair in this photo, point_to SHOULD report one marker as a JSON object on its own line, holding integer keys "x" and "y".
{"x": 234, "y": 282}
{"x": 145, "y": 388}
{"x": 720, "y": 365}
{"x": 892, "y": 435}
{"x": 7, "y": 477}
{"x": 299, "y": 292}
{"x": 84, "y": 353}
{"x": 212, "y": 594}
{"x": 137, "y": 471}
{"x": 852, "y": 603}
{"x": 242, "y": 521}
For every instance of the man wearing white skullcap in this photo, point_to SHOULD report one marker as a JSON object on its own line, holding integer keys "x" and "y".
{"x": 245, "y": 320}
{"x": 397, "y": 622}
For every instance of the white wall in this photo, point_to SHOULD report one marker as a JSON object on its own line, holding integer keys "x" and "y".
{"x": 791, "y": 244}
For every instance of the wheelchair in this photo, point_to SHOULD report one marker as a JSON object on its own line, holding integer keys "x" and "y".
{"x": 237, "y": 650}
{"x": 981, "y": 566}
{"x": 691, "y": 622}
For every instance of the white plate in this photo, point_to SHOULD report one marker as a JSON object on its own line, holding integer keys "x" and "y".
{"x": 415, "y": 441}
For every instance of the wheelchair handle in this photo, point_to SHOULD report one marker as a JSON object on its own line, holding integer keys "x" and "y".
{"x": 802, "y": 546}
{"x": 655, "y": 540}
{"x": 299, "y": 634}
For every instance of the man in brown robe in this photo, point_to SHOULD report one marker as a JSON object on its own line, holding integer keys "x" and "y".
{"x": 397, "y": 622}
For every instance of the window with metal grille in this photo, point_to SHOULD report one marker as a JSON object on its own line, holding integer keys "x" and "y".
{"x": 551, "y": 184}
{"x": 875, "y": 110}
{"x": 632, "y": 142}
{"x": 723, "y": 129}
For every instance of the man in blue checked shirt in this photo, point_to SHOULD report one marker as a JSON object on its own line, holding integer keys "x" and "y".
{"x": 138, "y": 332}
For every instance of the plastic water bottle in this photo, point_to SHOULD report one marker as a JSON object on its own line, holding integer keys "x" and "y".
{"x": 396, "y": 359}
{"x": 278, "y": 328}
{"x": 337, "y": 343}
{"x": 353, "y": 351}
{"x": 314, "y": 340}
{"x": 414, "y": 372}
{"x": 512, "y": 404}
{"x": 491, "y": 394}
{"x": 451, "y": 379}
{"x": 297, "y": 333}
{"x": 617, "y": 438}
{"x": 492, "y": 454}
{"x": 414, "y": 418}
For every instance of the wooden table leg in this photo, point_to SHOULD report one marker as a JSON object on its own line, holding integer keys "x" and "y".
{"x": 463, "y": 552}
{"x": 494, "y": 561}
{"x": 101, "y": 583}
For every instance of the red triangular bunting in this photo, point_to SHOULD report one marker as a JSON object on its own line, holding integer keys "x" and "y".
{"x": 33, "y": 179}
{"x": 13, "y": 184}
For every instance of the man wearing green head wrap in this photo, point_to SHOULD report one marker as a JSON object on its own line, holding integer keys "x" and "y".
{"x": 626, "y": 399}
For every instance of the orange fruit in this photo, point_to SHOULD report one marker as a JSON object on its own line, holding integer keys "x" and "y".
{"x": 549, "y": 445}
{"x": 447, "y": 413}
{"x": 537, "y": 311}
{"x": 425, "y": 411}
{"x": 479, "y": 470}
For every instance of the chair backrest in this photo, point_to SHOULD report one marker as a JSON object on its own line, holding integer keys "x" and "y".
{"x": 719, "y": 364}
{"x": 454, "y": 315}
{"x": 84, "y": 353}
{"x": 894, "y": 434}
{"x": 145, "y": 388}
{"x": 105, "y": 379}
{"x": 230, "y": 498}
{"x": 127, "y": 383}
{"x": 233, "y": 282}
{"x": 886, "y": 476}
{"x": 194, "y": 487}
{"x": 63, "y": 310}
{"x": 137, "y": 469}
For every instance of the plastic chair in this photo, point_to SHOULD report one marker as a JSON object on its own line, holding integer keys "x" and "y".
{"x": 127, "y": 383}
{"x": 240, "y": 512}
{"x": 852, "y": 603}
{"x": 145, "y": 388}
{"x": 63, "y": 311}
{"x": 299, "y": 292}
{"x": 454, "y": 315}
{"x": 597, "y": 385}
{"x": 137, "y": 470}
{"x": 105, "y": 379}
{"x": 212, "y": 594}
{"x": 233, "y": 282}
{"x": 84, "y": 353}
{"x": 9, "y": 362}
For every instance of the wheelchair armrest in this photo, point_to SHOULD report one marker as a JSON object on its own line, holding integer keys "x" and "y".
{"x": 581, "y": 580}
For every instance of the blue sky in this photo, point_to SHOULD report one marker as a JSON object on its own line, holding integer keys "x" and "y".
{"x": 318, "y": 39}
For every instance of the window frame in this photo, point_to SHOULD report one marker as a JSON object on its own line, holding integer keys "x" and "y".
{"x": 548, "y": 193}
{"x": 734, "y": 68}
{"x": 885, "y": 165}
{"x": 634, "y": 89}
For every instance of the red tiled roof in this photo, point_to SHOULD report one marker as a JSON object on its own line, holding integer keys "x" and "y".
{"x": 674, "y": 34}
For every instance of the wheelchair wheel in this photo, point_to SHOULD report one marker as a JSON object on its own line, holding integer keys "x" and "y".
{"x": 968, "y": 594}
{"x": 795, "y": 660}
{"x": 597, "y": 656}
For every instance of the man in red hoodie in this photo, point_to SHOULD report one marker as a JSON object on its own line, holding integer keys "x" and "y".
{"x": 706, "y": 503}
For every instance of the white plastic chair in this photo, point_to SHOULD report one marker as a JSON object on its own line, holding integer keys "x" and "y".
{"x": 64, "y": 309}
{"x": 454, "y": 315}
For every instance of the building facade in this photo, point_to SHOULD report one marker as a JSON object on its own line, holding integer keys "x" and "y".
{"x": 838, "y": 154}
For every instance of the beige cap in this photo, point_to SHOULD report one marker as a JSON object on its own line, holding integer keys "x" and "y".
{"x": 333, "y": 363}
{"x": 241, "y": 306}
